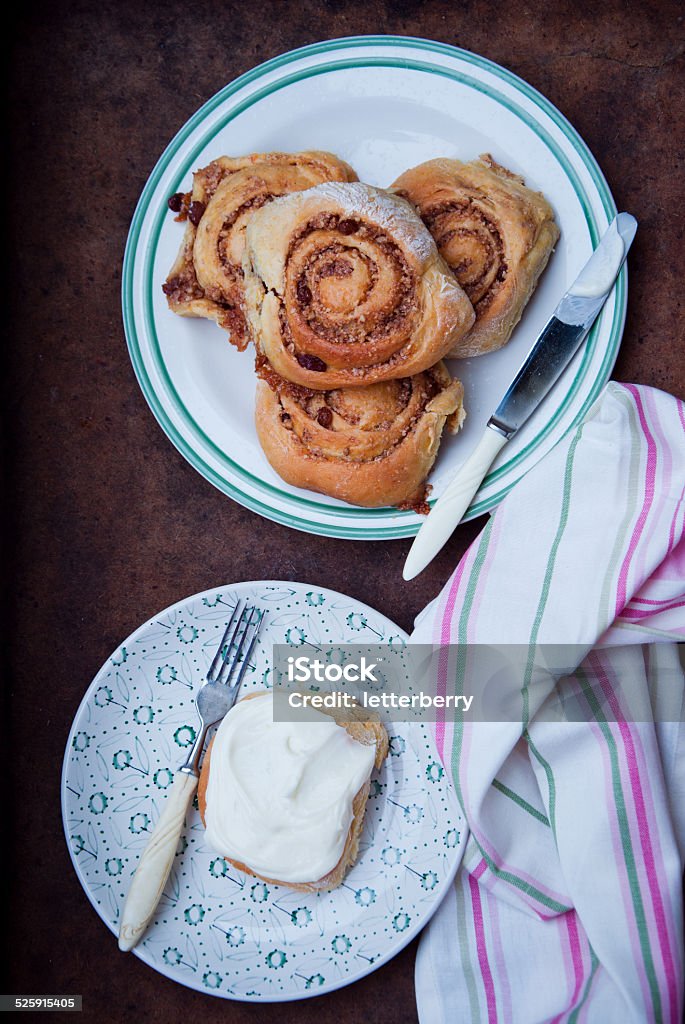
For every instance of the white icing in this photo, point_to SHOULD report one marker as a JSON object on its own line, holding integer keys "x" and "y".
{"x": 280, "y": 794}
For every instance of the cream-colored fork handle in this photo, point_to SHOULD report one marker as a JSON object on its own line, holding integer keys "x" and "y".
{"x": 155, "y": 864}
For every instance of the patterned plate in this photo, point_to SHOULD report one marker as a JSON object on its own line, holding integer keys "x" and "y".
{"x": 216, "y": 929}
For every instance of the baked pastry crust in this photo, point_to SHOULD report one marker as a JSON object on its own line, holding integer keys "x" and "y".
{"x": 363, "y": 728}
{"x": 370, "y": 446}
{"x": 345, "y": 287}
{"x": 206, "y": 279}
{"x": 495, "y": 234}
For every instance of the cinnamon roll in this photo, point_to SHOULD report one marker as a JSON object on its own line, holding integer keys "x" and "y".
{"x": 345, "y": 287}
{"x": 206, "y": 279}
{"x": 370, "y": 446}
{"x": 495, "y": 234}
{"x": 285, "y": 801}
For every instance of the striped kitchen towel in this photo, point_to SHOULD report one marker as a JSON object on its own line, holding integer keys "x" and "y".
{"x": 568, "y": 905}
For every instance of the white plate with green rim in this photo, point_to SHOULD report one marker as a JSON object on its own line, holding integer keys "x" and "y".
{"x": 383, "y": 103}
{"x": 216, "y": 929}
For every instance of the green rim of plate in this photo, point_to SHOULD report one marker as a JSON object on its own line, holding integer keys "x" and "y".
{"x": 365, "y": 530}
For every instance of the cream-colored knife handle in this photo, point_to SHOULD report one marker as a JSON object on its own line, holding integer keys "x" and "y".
{"x": 450, "y": 507}
{"x": 155, "y": 864}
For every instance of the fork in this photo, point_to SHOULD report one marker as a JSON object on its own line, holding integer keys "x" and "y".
{"x": 214, "y": 699}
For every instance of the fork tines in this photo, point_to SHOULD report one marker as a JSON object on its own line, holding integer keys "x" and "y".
{"x": 237, "y": 644}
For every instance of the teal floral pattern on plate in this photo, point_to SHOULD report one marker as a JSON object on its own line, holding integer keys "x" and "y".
{"x": 216, "y": 929}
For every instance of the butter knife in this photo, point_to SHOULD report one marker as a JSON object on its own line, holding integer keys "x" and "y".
{"x": 558, "y": 342}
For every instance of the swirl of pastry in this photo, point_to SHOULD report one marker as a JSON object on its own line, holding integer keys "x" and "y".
{"x": 495, "y": 234}
{"x": 345, "y": 287}
{"x": 370, "y": 446}
{"x": 206, "y": 279}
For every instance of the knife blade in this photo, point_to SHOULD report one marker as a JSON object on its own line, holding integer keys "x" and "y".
{"x": 551, "y": 353}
